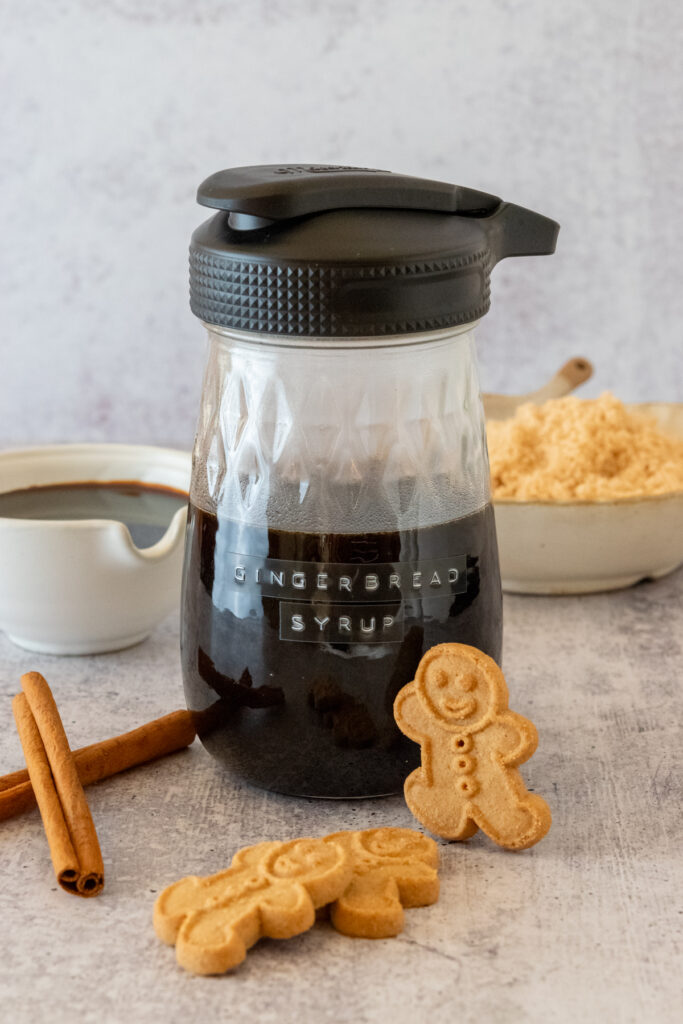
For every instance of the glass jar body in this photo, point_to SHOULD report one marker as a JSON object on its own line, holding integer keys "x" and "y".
{"x": 340, "y": 525}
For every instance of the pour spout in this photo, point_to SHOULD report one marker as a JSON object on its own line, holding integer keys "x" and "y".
{"x": 515, "y": 231}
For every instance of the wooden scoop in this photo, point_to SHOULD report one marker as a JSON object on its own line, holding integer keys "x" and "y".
{"x": 573, "y": 373}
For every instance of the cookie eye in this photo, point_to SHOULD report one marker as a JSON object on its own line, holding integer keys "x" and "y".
{"x": 468, "y": 683}
{"x": 441, "y": 678}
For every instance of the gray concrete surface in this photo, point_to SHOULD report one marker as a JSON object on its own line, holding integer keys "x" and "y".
{"x": 586, "y": 926}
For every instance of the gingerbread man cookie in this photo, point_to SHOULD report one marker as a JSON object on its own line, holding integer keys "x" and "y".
{"x": 392, "y": 868}
{"x": 456, "y": 708}
{"x": 271, "y": 889}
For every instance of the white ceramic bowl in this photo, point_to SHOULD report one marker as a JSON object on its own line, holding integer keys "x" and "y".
{"x": 583, "y": 546}
{"x": 82, "y": 586}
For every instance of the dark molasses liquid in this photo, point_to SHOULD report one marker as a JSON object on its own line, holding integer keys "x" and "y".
{"x": 294, "y": 645}
{"x": 146, "y": 509}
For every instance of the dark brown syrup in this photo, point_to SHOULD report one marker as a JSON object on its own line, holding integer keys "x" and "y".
{"x": 307, "y": 709}
{"x": 146, "y": 509}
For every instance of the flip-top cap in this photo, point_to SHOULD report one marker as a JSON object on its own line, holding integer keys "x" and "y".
{"x": 314, "y": 250}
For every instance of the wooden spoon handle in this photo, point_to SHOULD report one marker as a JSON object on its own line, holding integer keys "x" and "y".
{"x": 573, "y": 373}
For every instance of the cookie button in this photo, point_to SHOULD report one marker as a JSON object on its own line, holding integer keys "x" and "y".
{"x": 468, "y": 786}
{"x": 464, "y": 765}
{"x": 462, "y": 744}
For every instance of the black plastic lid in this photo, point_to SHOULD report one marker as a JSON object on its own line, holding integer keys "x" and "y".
{"x": 323, "y": 251}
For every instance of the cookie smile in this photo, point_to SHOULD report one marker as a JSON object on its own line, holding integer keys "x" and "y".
{"x": 460, "y": 707}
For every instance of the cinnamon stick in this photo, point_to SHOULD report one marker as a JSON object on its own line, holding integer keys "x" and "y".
{"x": 108, "y": 757}
{"x": 68, "y": 823}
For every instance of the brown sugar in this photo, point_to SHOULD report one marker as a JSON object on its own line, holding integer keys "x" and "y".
{"x": 572, "y": 449}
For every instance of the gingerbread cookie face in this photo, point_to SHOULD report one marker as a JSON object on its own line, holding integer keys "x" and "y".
{"x": 457, "y": 692}
{"x": 271, "y": 889}
{"x": 471, "y": 743}
{"x": 393, "y": 868}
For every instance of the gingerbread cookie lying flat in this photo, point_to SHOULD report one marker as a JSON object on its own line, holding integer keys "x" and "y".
{"x": 457, "y": 710}
{"x": 392, "y": 868}
{"x": 271, "y": 889}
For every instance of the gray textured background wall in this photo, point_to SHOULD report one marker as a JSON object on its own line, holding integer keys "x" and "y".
{"x": 112, "y": 112}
